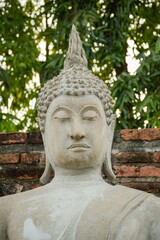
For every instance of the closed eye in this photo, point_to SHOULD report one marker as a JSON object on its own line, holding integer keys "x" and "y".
{"x": 62, "y": 119}
{"x": 90, "y": 118}
{"x": 89, "y": 115}
{"x": 62, "y": 115}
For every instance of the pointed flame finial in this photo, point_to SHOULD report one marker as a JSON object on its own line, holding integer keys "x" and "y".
{"x": 75, "y": 54}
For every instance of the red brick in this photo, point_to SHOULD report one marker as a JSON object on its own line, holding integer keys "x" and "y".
{"x": 26, "y": 177}
{"x": 11, "y": 138}
{"x": 137, "y": 171}
{"x": 21, "y": 172}
{"x": 31, "y": 175}
{"x": 156, "y": 157}
{"x": 34, "y": 138}
{"x": 8, "y": 158}
{"x": 147, "y": 134}
{"x": 42, "y": 160}
{"x": 33, "y": 158}
{"x": 30, "y": 158}
{"x": 132, "y": 157}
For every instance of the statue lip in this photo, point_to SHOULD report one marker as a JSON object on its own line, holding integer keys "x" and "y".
{"x": 78, "y": 145}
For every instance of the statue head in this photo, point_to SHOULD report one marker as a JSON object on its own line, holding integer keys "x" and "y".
{"x": 75, "y": 116}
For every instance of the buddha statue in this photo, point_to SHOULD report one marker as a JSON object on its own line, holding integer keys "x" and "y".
{"x": 77, "y": 124}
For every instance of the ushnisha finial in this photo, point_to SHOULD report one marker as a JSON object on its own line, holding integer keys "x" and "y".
{"x": 75, "y": 54}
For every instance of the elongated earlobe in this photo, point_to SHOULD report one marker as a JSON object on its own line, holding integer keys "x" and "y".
{"x": 107, "y": 166}
{"x": 107, "y": 169}
{"x": 47, "y": 174}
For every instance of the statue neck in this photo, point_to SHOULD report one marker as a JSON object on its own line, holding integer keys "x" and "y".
{"x": 77, "y": 175}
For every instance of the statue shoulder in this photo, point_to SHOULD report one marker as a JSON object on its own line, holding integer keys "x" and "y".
{"x": 152, "y": 204}
{"x": 10, "y": 204}
{"x": 148, "y": 198}
{"x": 140, "y": 213}
{"x": 116, "y": 206}
{"x": 6, "y": 203}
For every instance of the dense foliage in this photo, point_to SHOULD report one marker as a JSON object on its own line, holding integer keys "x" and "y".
{"x": 107, "y": 28}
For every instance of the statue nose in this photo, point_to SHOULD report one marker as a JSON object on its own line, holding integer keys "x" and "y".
{"x": 77, "y": 131}
{"x": 77, "y": 136}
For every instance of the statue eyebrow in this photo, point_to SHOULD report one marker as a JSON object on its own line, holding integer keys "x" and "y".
{"x": 60, "y": 108}
{"x": 84, "y": 108}
{"x": 89, "y": 107}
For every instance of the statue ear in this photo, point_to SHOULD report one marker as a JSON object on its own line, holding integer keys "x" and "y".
{"x": 46, "y": 176}
{"x": 107, "y": 162}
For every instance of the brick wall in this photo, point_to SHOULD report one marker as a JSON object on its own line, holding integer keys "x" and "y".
{"x": 135, "y": 156}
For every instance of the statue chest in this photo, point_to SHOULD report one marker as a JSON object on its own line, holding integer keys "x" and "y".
{"x": 53, "y": 216}
{"x": 89, "y": 214}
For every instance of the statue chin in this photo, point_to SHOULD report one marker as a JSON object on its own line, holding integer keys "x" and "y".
{"x": 82, "y": 162}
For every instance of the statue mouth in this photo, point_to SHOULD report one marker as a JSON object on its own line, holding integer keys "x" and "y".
{"x": 79, "y": 146}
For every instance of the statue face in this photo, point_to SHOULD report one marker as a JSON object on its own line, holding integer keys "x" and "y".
{"x": 75, "y": 132}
